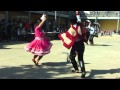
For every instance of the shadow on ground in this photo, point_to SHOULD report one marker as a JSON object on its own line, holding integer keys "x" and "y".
{"x": 102, "y": 45}
{"x": 47, "y": 70}
{"x": 3, "y": 45}
{"x": 98, "y": 72}
{"x": 67, "y": 57}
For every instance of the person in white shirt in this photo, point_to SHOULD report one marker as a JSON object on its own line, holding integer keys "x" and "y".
{"x": 92, "y": 31}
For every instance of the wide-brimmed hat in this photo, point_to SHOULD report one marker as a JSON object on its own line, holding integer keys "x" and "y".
{"x": 88, "y": 21}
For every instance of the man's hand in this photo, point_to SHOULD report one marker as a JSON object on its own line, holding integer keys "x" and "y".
{"x": 78, "y": 16}
{"x": 77, "y": 12}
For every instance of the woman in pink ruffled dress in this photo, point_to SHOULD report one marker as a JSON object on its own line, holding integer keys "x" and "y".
{"x": 41, "y": 45}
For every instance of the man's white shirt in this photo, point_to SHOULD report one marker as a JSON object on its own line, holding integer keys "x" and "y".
{"x": 92, "y": 30}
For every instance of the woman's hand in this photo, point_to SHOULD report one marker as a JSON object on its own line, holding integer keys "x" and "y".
{"x": 43, "y": 18}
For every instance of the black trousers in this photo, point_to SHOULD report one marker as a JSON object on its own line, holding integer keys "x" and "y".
{"x": 87, "y": 35}
{"x": 91, "y": 39}
{"x": 78, "y": 47}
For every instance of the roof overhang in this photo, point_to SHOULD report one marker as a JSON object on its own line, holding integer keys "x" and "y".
{"x": 103, "y": 18}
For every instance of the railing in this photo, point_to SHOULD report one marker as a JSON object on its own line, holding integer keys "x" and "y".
{"x": 103, "y": 14}
{"x": 92, "y": 13}
{"x": 61, "y": 12}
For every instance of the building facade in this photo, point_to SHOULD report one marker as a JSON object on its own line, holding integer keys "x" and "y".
{"x": 54, "y": 17}
{"x": 108, "y": 20}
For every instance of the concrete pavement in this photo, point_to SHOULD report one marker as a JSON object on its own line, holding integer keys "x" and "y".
{"x": 102, "y": 61}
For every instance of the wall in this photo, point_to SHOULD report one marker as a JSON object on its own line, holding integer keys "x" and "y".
{"x": 108, "y": 25}
{"x": 2, "y": 15}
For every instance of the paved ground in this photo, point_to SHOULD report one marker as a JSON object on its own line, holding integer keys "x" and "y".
{"x": 102, "y": 61}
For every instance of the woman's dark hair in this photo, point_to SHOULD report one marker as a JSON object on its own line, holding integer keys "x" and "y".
{"x": 73, "y": 19}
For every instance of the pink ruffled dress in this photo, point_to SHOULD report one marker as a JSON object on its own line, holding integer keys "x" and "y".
{"x": 40, "y": 45}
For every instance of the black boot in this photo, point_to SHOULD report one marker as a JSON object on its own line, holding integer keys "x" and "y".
{"x": 83, "y": 75}
{"x": 82, "y": 66}
{"x": 75, "y": 66}
{"x": 68, "y": 58}
{"x": 74, "y": 63}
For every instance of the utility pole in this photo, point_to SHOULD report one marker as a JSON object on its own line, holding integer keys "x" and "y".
{"x": 47, "y": 23}
{"x": 6, "y": 21}
{"x": 29, "y": 17}
{"x": 96, "y": 26}
{"x": 96, "y": 16}
{"x": 55, "y": 21}
{"x": 55, "y": 18}
{"x": 59, "y": 19}
{"x": 55, "y": 15}
{"x": 118, "y": 21}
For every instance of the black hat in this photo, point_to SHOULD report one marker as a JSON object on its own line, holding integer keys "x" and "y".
{"x": 73, "y": 19}
{"x": 72, "y": 16}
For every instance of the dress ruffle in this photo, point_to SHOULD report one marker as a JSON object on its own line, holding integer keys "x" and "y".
{"x": 39, "y": 47}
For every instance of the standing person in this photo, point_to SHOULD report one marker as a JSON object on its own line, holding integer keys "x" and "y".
{"x": 40, "y": 46}
{"x": 92, "y": 31}
{"x": 73, "y": 39}
{"x": 87, "y": 26}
